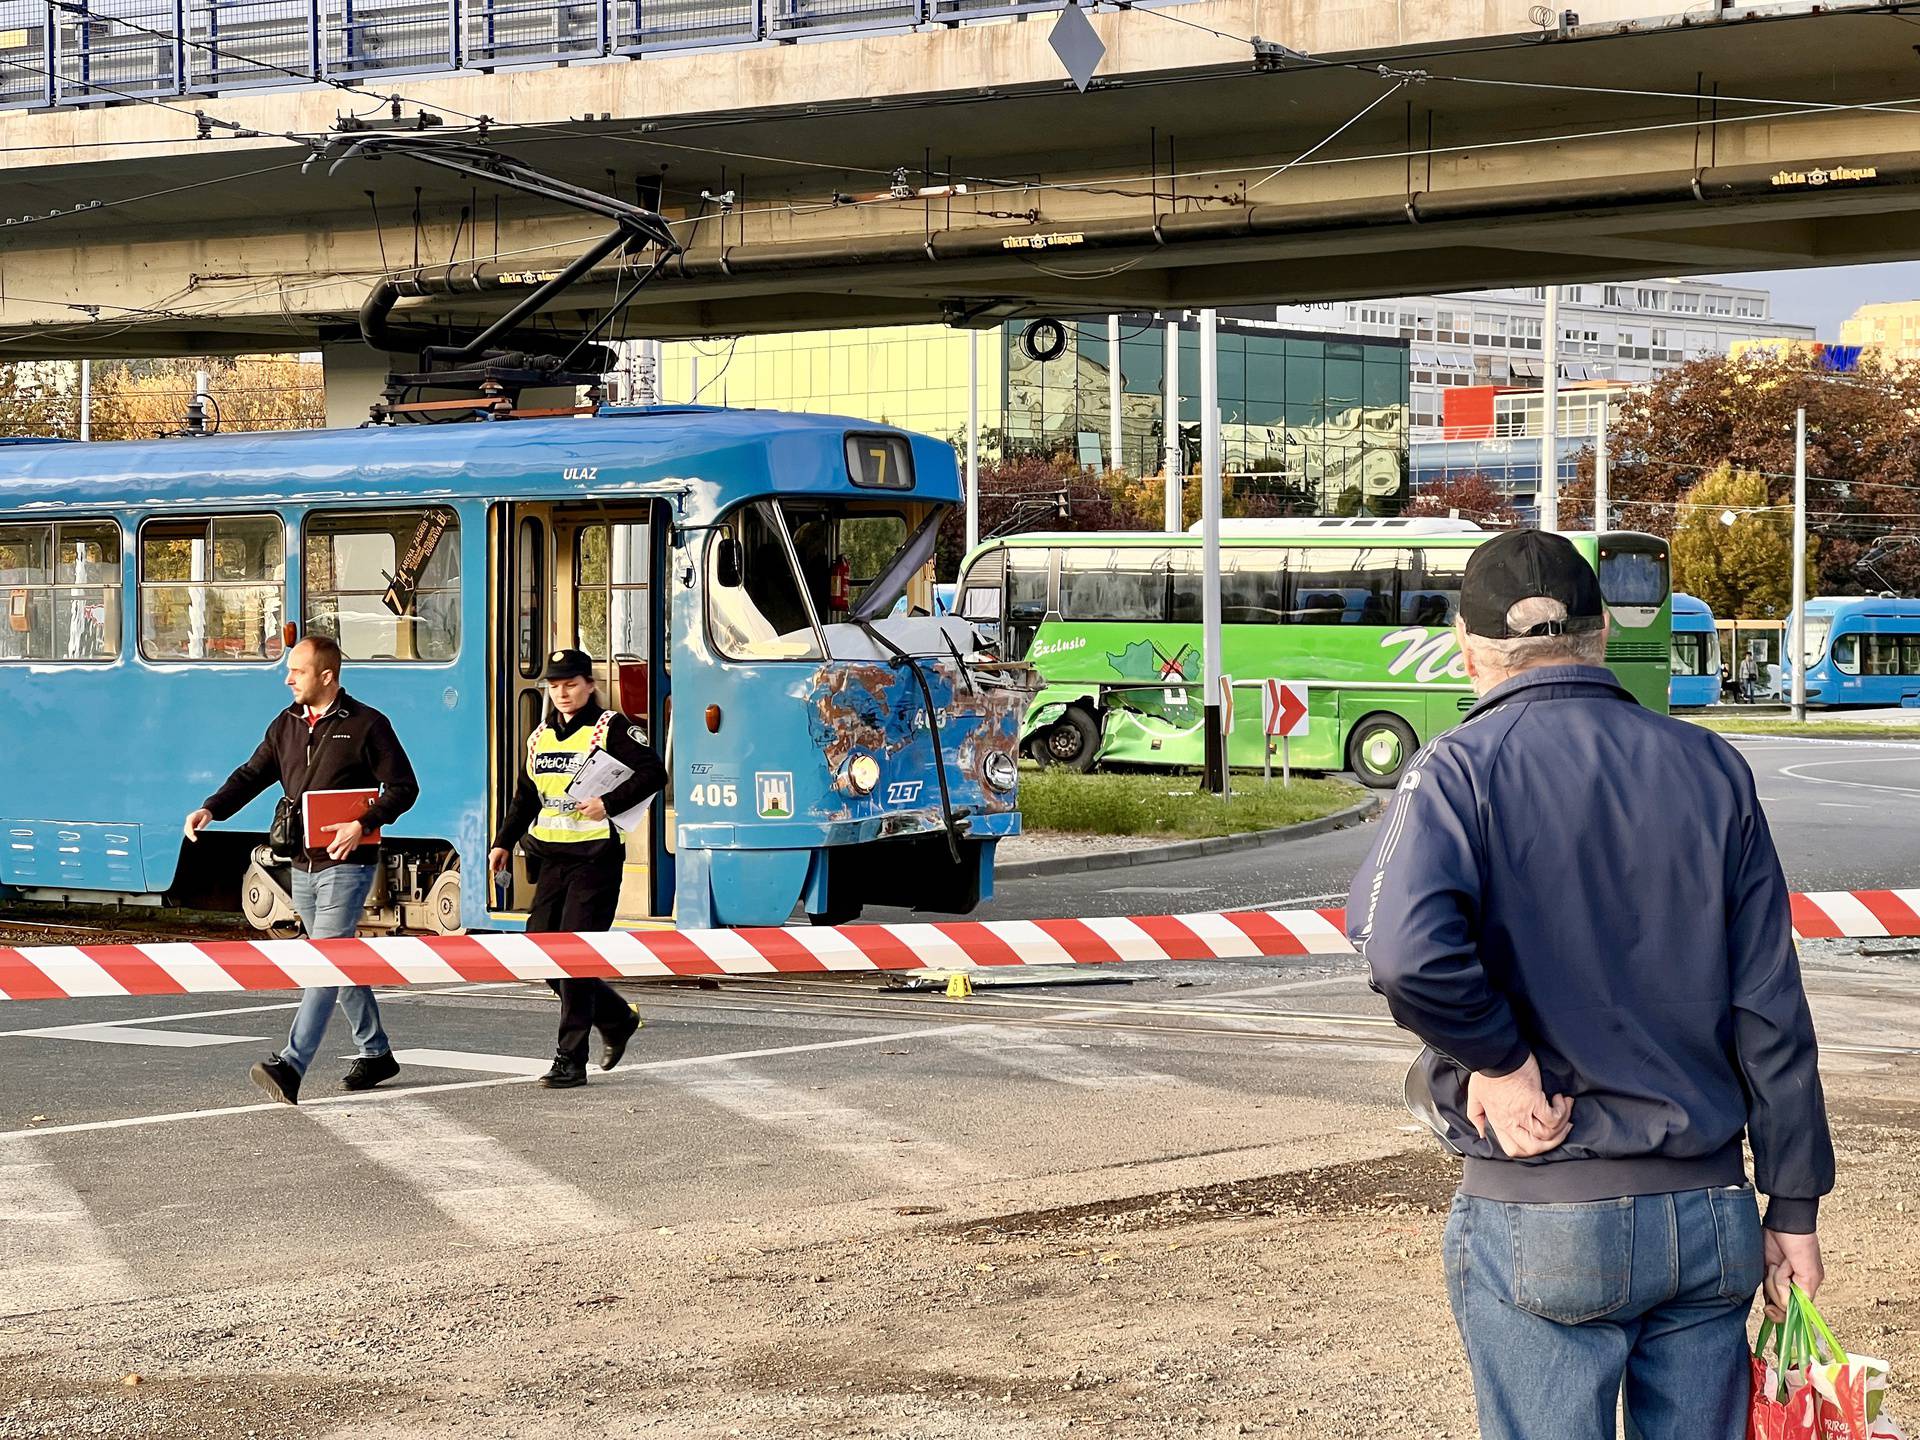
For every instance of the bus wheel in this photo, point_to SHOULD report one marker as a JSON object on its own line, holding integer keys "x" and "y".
{"x": 1073, "y": 741}
{"x": 1379, "y": 750}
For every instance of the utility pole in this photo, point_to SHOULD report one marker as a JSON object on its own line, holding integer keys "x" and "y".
{"x": 1113, "y": 393}
{"x": 1600, "y": 462}
{"x": 1549, "y": 497}
{"x": 1797, "y": 658}
{"x": 973, "y": 440}
{"x": 1171, "y": 427}
{"x": 1210, "y": 659}
{"x": 86, "y": 399}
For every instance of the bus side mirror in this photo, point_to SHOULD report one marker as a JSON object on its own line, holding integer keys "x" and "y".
{"x": 726, "y": 564}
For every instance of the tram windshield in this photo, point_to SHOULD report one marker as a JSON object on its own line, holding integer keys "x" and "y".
{"x": 778, "y": 571}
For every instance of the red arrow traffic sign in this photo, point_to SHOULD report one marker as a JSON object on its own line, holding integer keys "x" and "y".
{"x": 1284, "y": 710}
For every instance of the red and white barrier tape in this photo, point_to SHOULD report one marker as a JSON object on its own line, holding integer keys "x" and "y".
{"x": 54, "y": 972}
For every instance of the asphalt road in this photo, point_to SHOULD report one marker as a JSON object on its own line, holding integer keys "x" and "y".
{"x": 138, "y": 1164}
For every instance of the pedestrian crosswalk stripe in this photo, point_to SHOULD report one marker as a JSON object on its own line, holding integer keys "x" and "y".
{"x": 472, "y": 1060}
{"x": 55, "y": 1254}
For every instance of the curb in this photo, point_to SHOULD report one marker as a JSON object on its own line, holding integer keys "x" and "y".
{"x": 1188, "y": 849}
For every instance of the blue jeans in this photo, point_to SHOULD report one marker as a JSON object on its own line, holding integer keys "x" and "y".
{"x": 1567, "y": 1310}
{"x": 329, "y": 902}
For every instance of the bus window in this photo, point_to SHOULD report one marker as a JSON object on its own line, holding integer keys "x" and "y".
{"x": 1633, "y": 578}
{"x": 213, "y": 589}
{"x": 1252, "y": 586}
{"x": 386, "y": 586}
{"x": 1113, "y": 584}
{"x": 1345, "y": 587}
{"x": 1846, "y": 654}
{"x": 1026, "y": 598}
{"x": 1430, "y": 587}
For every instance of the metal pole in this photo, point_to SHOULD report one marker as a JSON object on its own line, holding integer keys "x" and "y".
{"x": 86, "y": 399}
{"x": 973, "y": 440}
{"x": 1266, "y": 759}
{"x": 1600, "y": 464}
{"x": 1211, "y": 663}
{"x": 1170, "y": 427}
{"x": 1799, "y": 563}
{"x": 1549, "y": 496}
{"x": 1113, "y": 394}
{"x": 1286, "y": 763}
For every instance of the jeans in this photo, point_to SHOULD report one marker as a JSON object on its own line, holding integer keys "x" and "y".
{"x": 1566, "y": 1311}
{"x": 330, "y": 902}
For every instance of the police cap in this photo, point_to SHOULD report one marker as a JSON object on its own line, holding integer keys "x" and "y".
{"x": 568, "y": 665}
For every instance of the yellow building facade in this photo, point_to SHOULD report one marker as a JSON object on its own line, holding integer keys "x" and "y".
{"x": 1892, "y": 328}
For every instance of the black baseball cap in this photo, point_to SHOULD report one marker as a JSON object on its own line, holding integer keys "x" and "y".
{"x": 1527, "y": 565}
{"x": 569, "y": 665}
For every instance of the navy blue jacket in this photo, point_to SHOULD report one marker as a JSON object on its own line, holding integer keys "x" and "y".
{"x": 1571, "y": 876}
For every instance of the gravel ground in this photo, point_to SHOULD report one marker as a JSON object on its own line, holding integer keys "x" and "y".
{"x": 1303, "y": 1302}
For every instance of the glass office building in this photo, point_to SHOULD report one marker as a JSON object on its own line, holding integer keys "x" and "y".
{"x": 1318, "y": 422}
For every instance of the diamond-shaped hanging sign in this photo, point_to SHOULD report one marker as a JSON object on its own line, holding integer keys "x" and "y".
{"x": 1080, "y": 49}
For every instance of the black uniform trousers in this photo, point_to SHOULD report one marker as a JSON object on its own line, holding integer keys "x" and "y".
{"x": 581, "y": 895}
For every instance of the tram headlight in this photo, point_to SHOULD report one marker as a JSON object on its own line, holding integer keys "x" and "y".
{"x": 1001, "y": 771}
{"x": 863, "y": 773}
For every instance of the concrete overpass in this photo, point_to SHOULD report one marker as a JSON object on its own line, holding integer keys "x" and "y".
{"x": 1447, "y": 144}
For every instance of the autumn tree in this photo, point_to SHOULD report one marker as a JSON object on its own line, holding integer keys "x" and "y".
{"x": 139, "y": 398}
{"x": 1471, "y": 496}
{"x": 1733, "y": 549}
{"x": 1863, "y": 452}
{"x": 40, "y": 398}
{"x": 1035, "y": 493}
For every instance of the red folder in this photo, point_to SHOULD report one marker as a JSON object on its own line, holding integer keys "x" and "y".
{"x": 321, "y": 808}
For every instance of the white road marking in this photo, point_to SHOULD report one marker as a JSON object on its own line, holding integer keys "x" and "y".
{"x": 1157, "y": 890}
{"x": 1035, "y": 1051}
{"x": 470, "y": 1177}
{"x": 887, "y": 1148}
{"x": 1838, "y": 805}
{"x": 471, "y": 1060}
{"x": 53, "y": 1253}
{"x": 1798, "y": 772}
{"x": 135, "y": 1035}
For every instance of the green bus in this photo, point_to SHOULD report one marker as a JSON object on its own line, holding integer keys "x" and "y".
{"x": 1361, "y": 609}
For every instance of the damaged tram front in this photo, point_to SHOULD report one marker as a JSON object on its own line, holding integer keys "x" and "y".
{"x": 834, "y": 752}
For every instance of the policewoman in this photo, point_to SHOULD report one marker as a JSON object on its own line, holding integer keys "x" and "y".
{"x": 574, "y": 850}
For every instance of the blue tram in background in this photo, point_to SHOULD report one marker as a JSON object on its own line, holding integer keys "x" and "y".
{"x": 1858, "y": 651}
{"x": 1696, "y": 655}
{"x": 733, "y": 573}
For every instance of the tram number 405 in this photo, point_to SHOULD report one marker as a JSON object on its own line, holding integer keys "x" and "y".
{"x": 714, "y": 793}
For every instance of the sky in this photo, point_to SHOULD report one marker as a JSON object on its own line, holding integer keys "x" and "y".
{"x": 1823, "y": 298}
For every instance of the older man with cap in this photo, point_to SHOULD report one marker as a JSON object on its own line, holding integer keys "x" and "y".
{"x": 1576, "y": 904}
{"x": 575, "y": 850}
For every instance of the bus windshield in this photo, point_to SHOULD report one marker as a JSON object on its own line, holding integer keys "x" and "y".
{"x": 778, "y": 571}
{"x": 1633, "y": 577}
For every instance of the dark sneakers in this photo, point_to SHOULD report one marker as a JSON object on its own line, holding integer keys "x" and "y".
{"x": 278, "y": 1079}
{"x": 565, "y": 1074}
{"x": 365, "y": 1073}
{"x": 614, "y": 1044}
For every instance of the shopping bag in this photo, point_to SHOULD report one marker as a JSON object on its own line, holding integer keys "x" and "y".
{"x": 1783, "y": 1403}
{"x": 1850, "y": 1390}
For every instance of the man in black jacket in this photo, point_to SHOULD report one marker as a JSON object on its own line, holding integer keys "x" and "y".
{"x": 325, "y": 740}
{"x": 576, "y": 849}
{"x": 1577, "y": 905}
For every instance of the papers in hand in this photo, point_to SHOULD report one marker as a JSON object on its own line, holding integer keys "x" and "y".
{"x": 600, "y": 775}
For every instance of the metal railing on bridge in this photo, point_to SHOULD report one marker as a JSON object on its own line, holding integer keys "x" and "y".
{"x": 94, "y": 52}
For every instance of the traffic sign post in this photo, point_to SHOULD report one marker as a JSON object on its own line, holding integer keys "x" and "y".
{"x": 1283, "y": 713}
{"x": 1226, "y": 731}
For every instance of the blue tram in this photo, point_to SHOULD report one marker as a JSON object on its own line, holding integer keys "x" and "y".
{"x": 1858, "y": 651}
{"x": 733, "y": 573}
{"x": 1696, "y": 655}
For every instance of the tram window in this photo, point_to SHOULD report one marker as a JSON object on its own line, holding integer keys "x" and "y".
{"x": 1883, "y": 655}
{"x": 530, "y": 598}
{"x": 762, "y": 616}
{"x": 1846, "y": 654}
{"x": 62, "y": 588}
{"x": 1689, "y": 654}
{"x": 1113, "y": 584}
{"x": 1910, "y": 654}
{"x": 213, "y": 589}
{"x": 385, "y": 585}
{"x": 610, "y": 569}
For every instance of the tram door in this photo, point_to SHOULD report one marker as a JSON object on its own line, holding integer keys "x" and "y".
{"x": 591, "y": 577}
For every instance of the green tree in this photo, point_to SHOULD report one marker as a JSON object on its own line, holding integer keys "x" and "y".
{"x": 1742, "y": 569}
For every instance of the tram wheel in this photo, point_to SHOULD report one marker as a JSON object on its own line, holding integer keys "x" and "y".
{"x": 1072, "y": 741}
{"x": 1380, "y": 749}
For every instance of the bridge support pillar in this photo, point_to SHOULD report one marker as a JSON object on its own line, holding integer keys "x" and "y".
{"x": 354, "y": 376}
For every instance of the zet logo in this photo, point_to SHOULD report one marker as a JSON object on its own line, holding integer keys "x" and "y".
{"x": 903, "y": 792}
{"x": 773, "y": 794}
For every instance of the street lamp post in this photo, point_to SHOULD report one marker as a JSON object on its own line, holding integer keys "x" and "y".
{"x": 1798, "y": 660}
{"x": 1170, "y": 410}
{"x": 1211, "y": 666}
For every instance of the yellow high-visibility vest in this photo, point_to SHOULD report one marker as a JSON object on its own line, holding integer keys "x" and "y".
{"x": 551, "y": 765}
